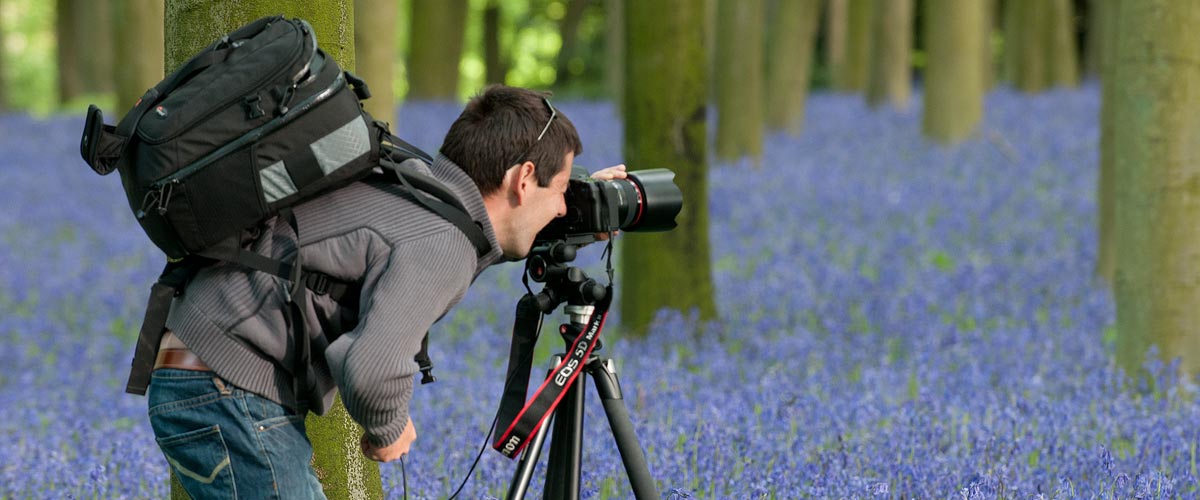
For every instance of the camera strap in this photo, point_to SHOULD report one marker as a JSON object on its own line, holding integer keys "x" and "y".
{"x": 521, "y": 423}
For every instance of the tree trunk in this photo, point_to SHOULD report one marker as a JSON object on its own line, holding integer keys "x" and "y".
{"x": 438, "y": 30}
{"x": 1031, "y": 66}
{"x": 1062, "y": 61}
{"x": 568, "y": 30}
{"x": 1157, "y": 110}
{"x": 665, "y": 119}
{"x": 139, "y": 50}
{"x": 375, "y": 55}
{"x": 835, "y": 41}
{"x": 953, "y": 78}
{"x": 1013, "y": 20}
{"x": 493, "y": 60}
{"x": 891, "y": 66}
{"x": 739, "y": 78}
{"x": 1106, "y": 261}
{"x": 1096, "y": 35}
{"x": 192, "y": 25}
{"x": 852, "y": 73}
{"x": 792, "y": 32}
{"x": 70, "y": 76}
{"x": 615, "y": 51}
{"x": 95, "y": 27}
{"x": 988, "y": 57}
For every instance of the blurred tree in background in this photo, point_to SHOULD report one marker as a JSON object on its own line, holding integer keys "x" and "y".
{"x": 374, "y": 62}
{"x": 436, "y": 48}
{"x": 190, "y": 26}
{"x": 851, "y": 71}
{"x": 139, "y": 50}
{"x": 791, "y": 38}
{"x": 954, "y": 73}
{"x": 738, "y": 76}
{"x": 890, "y": 75}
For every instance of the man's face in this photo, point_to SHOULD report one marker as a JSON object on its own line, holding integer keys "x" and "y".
{"x": 540, "y": 206}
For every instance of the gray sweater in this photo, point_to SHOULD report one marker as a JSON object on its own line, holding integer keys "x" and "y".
{"x": 413, "y": 264}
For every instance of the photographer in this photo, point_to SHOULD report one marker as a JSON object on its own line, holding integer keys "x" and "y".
{"x": 223, "y": 396}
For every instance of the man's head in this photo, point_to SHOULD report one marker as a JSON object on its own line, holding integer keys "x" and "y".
{"x": 519, "y": 150}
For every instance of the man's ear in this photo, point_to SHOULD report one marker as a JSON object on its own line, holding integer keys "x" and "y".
{"x": 524, "y": 180}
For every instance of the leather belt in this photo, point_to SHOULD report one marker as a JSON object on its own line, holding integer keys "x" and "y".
{"x": 173, "y": 354}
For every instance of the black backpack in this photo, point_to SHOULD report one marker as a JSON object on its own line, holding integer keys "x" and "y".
{"x": 251, "y": 126}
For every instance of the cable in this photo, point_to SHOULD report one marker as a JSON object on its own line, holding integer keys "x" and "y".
{"x": 403, "y": 477}
{"x": 470, "y": 472}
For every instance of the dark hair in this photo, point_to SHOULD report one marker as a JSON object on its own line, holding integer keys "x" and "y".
{"x": 499, "y": 128}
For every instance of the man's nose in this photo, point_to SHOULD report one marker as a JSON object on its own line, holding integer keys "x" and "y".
{"x": 562, "y": 206}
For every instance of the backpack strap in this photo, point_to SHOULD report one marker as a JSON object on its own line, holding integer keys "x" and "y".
{"x": 174, "y": 278}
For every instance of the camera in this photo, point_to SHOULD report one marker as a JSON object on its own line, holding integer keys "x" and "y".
{"x": 648, "y": 200}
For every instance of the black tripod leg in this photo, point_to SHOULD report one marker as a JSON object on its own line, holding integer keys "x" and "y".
{"x": 604, "y": 372}
{"x": 524, "y": 474}
{"x": 566, "y": 446}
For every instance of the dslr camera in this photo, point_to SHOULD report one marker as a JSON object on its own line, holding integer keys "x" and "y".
{"x": 648, "y": 200}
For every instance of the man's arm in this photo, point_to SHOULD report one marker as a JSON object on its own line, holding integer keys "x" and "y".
{"x": 402, "y": 296}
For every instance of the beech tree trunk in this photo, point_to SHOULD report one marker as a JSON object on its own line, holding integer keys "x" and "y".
{"x": 665, "y": 125}
{"x": 954, "y": 76}
{"x": 375, "y": 55}
{"x": 139, "y": 50}
{"x": 1156, "y": 112}
{"x": 792, "y": 33}
{"x": 739, "y": 78}
{"x": 438, "y": 32}
{"x": 192, "y": 25}
{"x": 891, "y": 65}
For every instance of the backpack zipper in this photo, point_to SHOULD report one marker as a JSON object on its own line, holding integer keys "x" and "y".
{"x": 160, "y": 192}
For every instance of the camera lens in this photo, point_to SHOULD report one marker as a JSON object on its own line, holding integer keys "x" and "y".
{"x": 652, "y": 200}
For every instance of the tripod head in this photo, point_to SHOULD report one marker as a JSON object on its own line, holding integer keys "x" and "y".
{"x": 548, "y": 263}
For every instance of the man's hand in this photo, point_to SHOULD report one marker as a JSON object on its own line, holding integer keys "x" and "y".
{"x": 392, "y": 451}
{"x": 610, "y": 173}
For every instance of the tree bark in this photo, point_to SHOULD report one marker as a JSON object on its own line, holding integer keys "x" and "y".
{"x": 95, "y": 26}
{"x": 1062, "y": 59}
{"x": 954, "y": 78}
{"x": 493, "y": 59}
{"x": 375, "y": 55}
{"x": 835, "y": 41}
{"x": 568, "y": 30}
{"x": 70, "y": 77}
{"x": 1157, "y": 109}
{"x": 853, "y": 73}
{"x": 792, "y": 32}
{"x": 739, "y": 78}
{"x": 139, "y": 49}
{"x": 1106, "y": 261}
{"x": 1031, "y": 66}
{"x": 435, "y": 50}
{"x": 615, "y": 52}
{"x": 891, "y": 66}
{"x": 1013, "y": 19}
{"x": 192, "y": 25}
{"x": 665, "y": 117}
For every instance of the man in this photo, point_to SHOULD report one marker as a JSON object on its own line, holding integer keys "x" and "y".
{"x": 223, "y": 401}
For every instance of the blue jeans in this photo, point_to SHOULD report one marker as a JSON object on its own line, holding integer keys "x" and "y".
{"x": 224, "y": 442}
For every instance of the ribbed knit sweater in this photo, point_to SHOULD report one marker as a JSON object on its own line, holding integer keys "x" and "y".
{"x": 413, "y": 265}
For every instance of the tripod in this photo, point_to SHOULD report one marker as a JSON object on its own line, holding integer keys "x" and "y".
{"x": 571, "y": 285}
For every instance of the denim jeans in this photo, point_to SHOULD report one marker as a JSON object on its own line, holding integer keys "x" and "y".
{"x": 224, "y": 442}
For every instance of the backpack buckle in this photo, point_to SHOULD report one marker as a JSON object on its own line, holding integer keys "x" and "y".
{"x": 253, "y": 108}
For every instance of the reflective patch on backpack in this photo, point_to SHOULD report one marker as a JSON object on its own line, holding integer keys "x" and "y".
{"x": 276, "y": 183}
{"x": 343, "y": 145}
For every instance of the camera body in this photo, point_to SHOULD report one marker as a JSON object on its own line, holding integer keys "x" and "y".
{"x": 648, "y": 200}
